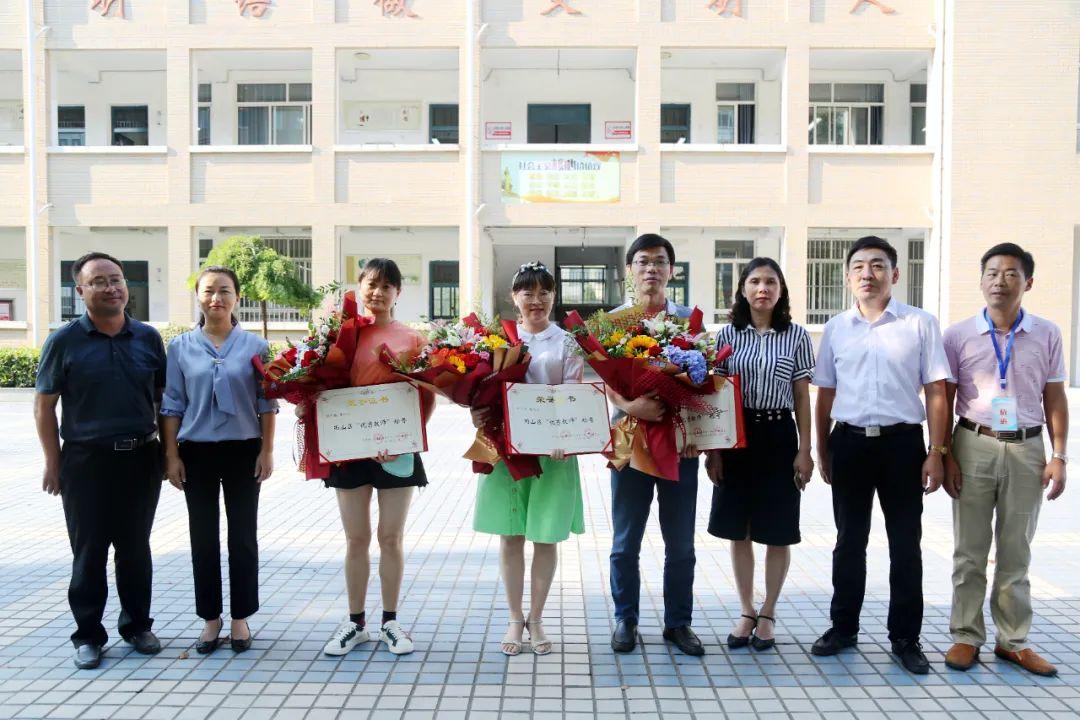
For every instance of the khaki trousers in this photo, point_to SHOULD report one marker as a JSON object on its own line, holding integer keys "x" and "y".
{"x": 1006, "y": 478}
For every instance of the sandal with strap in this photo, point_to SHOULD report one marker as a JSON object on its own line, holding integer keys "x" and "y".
{"x": 734, "y": 642}
{"x": 510, "y": 646}
{"x": 760, "y": 644}
{"x": 540, "y": 646}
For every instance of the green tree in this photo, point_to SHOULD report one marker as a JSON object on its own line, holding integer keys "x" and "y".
{"x": 265, "y": 275}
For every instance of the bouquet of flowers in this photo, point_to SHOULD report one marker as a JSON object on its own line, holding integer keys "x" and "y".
{"x": 467, "y": 362}
{"x": 321, "y": 361}
{"x": 635, "y": 355}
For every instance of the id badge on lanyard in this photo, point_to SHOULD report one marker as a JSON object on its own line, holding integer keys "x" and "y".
{"x": 1004, "y": 407}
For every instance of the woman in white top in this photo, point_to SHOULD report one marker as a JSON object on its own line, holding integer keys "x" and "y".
{"x": 546, "y": 509}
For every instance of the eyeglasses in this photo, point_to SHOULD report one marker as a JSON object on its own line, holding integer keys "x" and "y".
{"x": 101, "y": 284}
{"x": 660, "y": 264}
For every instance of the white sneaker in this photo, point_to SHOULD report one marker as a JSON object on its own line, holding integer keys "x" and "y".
{"x": 396, "y": 639}
{"x": 345, "y": 638}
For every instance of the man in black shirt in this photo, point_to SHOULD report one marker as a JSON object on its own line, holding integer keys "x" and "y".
{"x": 109, "y": 371}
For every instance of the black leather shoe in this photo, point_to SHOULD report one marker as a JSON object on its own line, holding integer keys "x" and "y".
{"x": 241, "y": 644}
{"x": 685, "y": 639}
{"x": 833, "y": 642}
{"x": 145, "y": 642}
{"x": 205, "y": 647}
{"x": 734, "y": 642}
{"x": 624, "y": 639}
{"x": 88, "y": 657}
{"x": 758, "y": 643}
{"x": 910, "y": 655}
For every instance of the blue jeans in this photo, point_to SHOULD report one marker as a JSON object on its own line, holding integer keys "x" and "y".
{"x": 631, "y": 500}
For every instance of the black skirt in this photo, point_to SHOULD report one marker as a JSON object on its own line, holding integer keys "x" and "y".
{"x": 351, "y": 475}
{"x": 758, "y": 498}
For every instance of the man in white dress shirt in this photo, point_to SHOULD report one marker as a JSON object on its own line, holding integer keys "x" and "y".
{"x": 873, "y": 361}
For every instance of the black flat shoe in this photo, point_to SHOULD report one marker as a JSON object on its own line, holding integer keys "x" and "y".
{"x": 760, "y": 644}
{"x": 241, "y": 644}
{"x": 910, "y": 655}
{"x": 205, "y": 647}
{"x": 734, "y": 642}
{"x": 685, "y": 639}
{"x": 624, "y": 639}
{"x": 145, "y": 642}
{"x": 88, "y": 657}
{"x": 833, "y": 642}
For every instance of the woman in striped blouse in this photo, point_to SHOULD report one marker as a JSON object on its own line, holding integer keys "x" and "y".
{"x": 757, "y": 493}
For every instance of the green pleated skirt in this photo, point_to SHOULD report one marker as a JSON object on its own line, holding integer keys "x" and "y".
{"x": 544, "y": 509}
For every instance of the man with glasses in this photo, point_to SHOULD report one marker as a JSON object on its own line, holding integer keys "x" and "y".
{"x": 873, "y": 361}
{"x": 650, "y": 261}
{"x": 1008, "y": 379}
{"x": 109, "y": 370}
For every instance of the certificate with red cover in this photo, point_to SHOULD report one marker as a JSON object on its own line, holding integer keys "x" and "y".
{"x": 572, "y": 417}
{"x": 360, "y": 422}
{"x": 720, "y": 429}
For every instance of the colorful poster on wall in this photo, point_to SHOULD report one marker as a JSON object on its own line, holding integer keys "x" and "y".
{"x": 559, "y": 177}
{"x": 410, "y": 266}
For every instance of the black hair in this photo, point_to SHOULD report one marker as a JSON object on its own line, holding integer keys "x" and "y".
{"x": 648, "y": 241}
{"x": 1012, "y": 250}
{"x": 532, "y": 274}
{"x": 383, "y": 269}
{"x": 740, "y": 309}
{"x": 77, "y": 266}
{"x": 219, "y": 270}
{"x": 872, "y": 242}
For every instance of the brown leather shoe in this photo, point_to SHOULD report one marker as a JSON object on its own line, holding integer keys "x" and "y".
{"x": 961, "y": 656}
{"x": 1027, "y": 659}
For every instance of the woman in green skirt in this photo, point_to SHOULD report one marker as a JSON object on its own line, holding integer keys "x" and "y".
{"x": 543, "y": 510}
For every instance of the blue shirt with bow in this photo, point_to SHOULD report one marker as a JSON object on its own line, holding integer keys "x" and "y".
{"x": 216, "y": 392}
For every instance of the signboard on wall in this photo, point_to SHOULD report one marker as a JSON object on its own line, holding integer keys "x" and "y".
{"x": 375, "y": 115}
{"x": 498, "y": 131}
{"x": 559, "y": 177}
{"x": 618, "y": 130}
{"x": 410, "y": 266}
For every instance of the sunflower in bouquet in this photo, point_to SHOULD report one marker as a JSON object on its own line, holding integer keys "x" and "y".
{"x": 672, "y": 357}
{"x": 467, "y": 362}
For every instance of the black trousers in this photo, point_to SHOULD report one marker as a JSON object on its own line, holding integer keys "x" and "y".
{"x": 230, "y": 466}
{"x": 110, "y": 497}
{"x": 891, "y": 465}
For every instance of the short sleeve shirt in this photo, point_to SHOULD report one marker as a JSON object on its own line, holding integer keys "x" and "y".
{"x": 108, "y": 386}
{"x": 767, "y": 363}
{"x": 1038, "y": 358}
{"x": 553, "y": 361}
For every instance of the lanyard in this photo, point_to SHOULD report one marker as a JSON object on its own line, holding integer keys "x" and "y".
{"x": 1003, "y": 362}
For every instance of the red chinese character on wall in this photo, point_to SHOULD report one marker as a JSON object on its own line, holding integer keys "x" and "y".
{"x": 104, "y": 6}
{"x": 560, "y": 5}
{"x": 256, "y": 8}
{"x": 876, "y": 3}
{"x": 721, "y": 7}
{"x": 395, "y": 8}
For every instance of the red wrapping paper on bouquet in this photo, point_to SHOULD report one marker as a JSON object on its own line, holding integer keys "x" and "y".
{"x": 329, "y": 373}
{"x": 646, "y": 446}
{"x": 480, "y": 386}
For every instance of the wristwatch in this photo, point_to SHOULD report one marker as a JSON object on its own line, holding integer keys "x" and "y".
{"x": 941, "y": 450}
{"x": 1060, "y": 456}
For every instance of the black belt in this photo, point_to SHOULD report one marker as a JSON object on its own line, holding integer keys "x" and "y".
{"x": 121, "y": 444}
{"x": 1003, "y": 435}
{"x": 755, "y": 415}
{"x": 878, "y": 430}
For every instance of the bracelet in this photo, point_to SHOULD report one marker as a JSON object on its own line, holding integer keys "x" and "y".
{"x": 1060, "y": 456}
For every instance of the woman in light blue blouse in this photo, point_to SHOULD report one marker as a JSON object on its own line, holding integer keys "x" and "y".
{"x": 218, "y": 431}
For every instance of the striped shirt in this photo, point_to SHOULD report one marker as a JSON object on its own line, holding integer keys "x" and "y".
{"x": 767, "y": 364}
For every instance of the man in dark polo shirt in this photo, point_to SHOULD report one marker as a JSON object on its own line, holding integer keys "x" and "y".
{"x": 109, "y": 371}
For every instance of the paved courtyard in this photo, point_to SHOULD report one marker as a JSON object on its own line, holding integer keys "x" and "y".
{"x": 454, "y": 606}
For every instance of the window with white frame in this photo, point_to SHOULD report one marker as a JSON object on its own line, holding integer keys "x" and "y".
{"x": 826, "y": 280}
{"x": 297, "y": 249}
{"x": 918, "y": 113}
{"x": 206, "y": 97}
{"x": 130, "y": 125}
{"x": 71, "y": 125}
{"x": 735, "y": 112}
{"x": 916, "y": 264}
{"x": 731, "y": 256}
{"x": 847, "y": 113}
{"x": 582, "y": 284}
{"x": 273, "y": 114}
